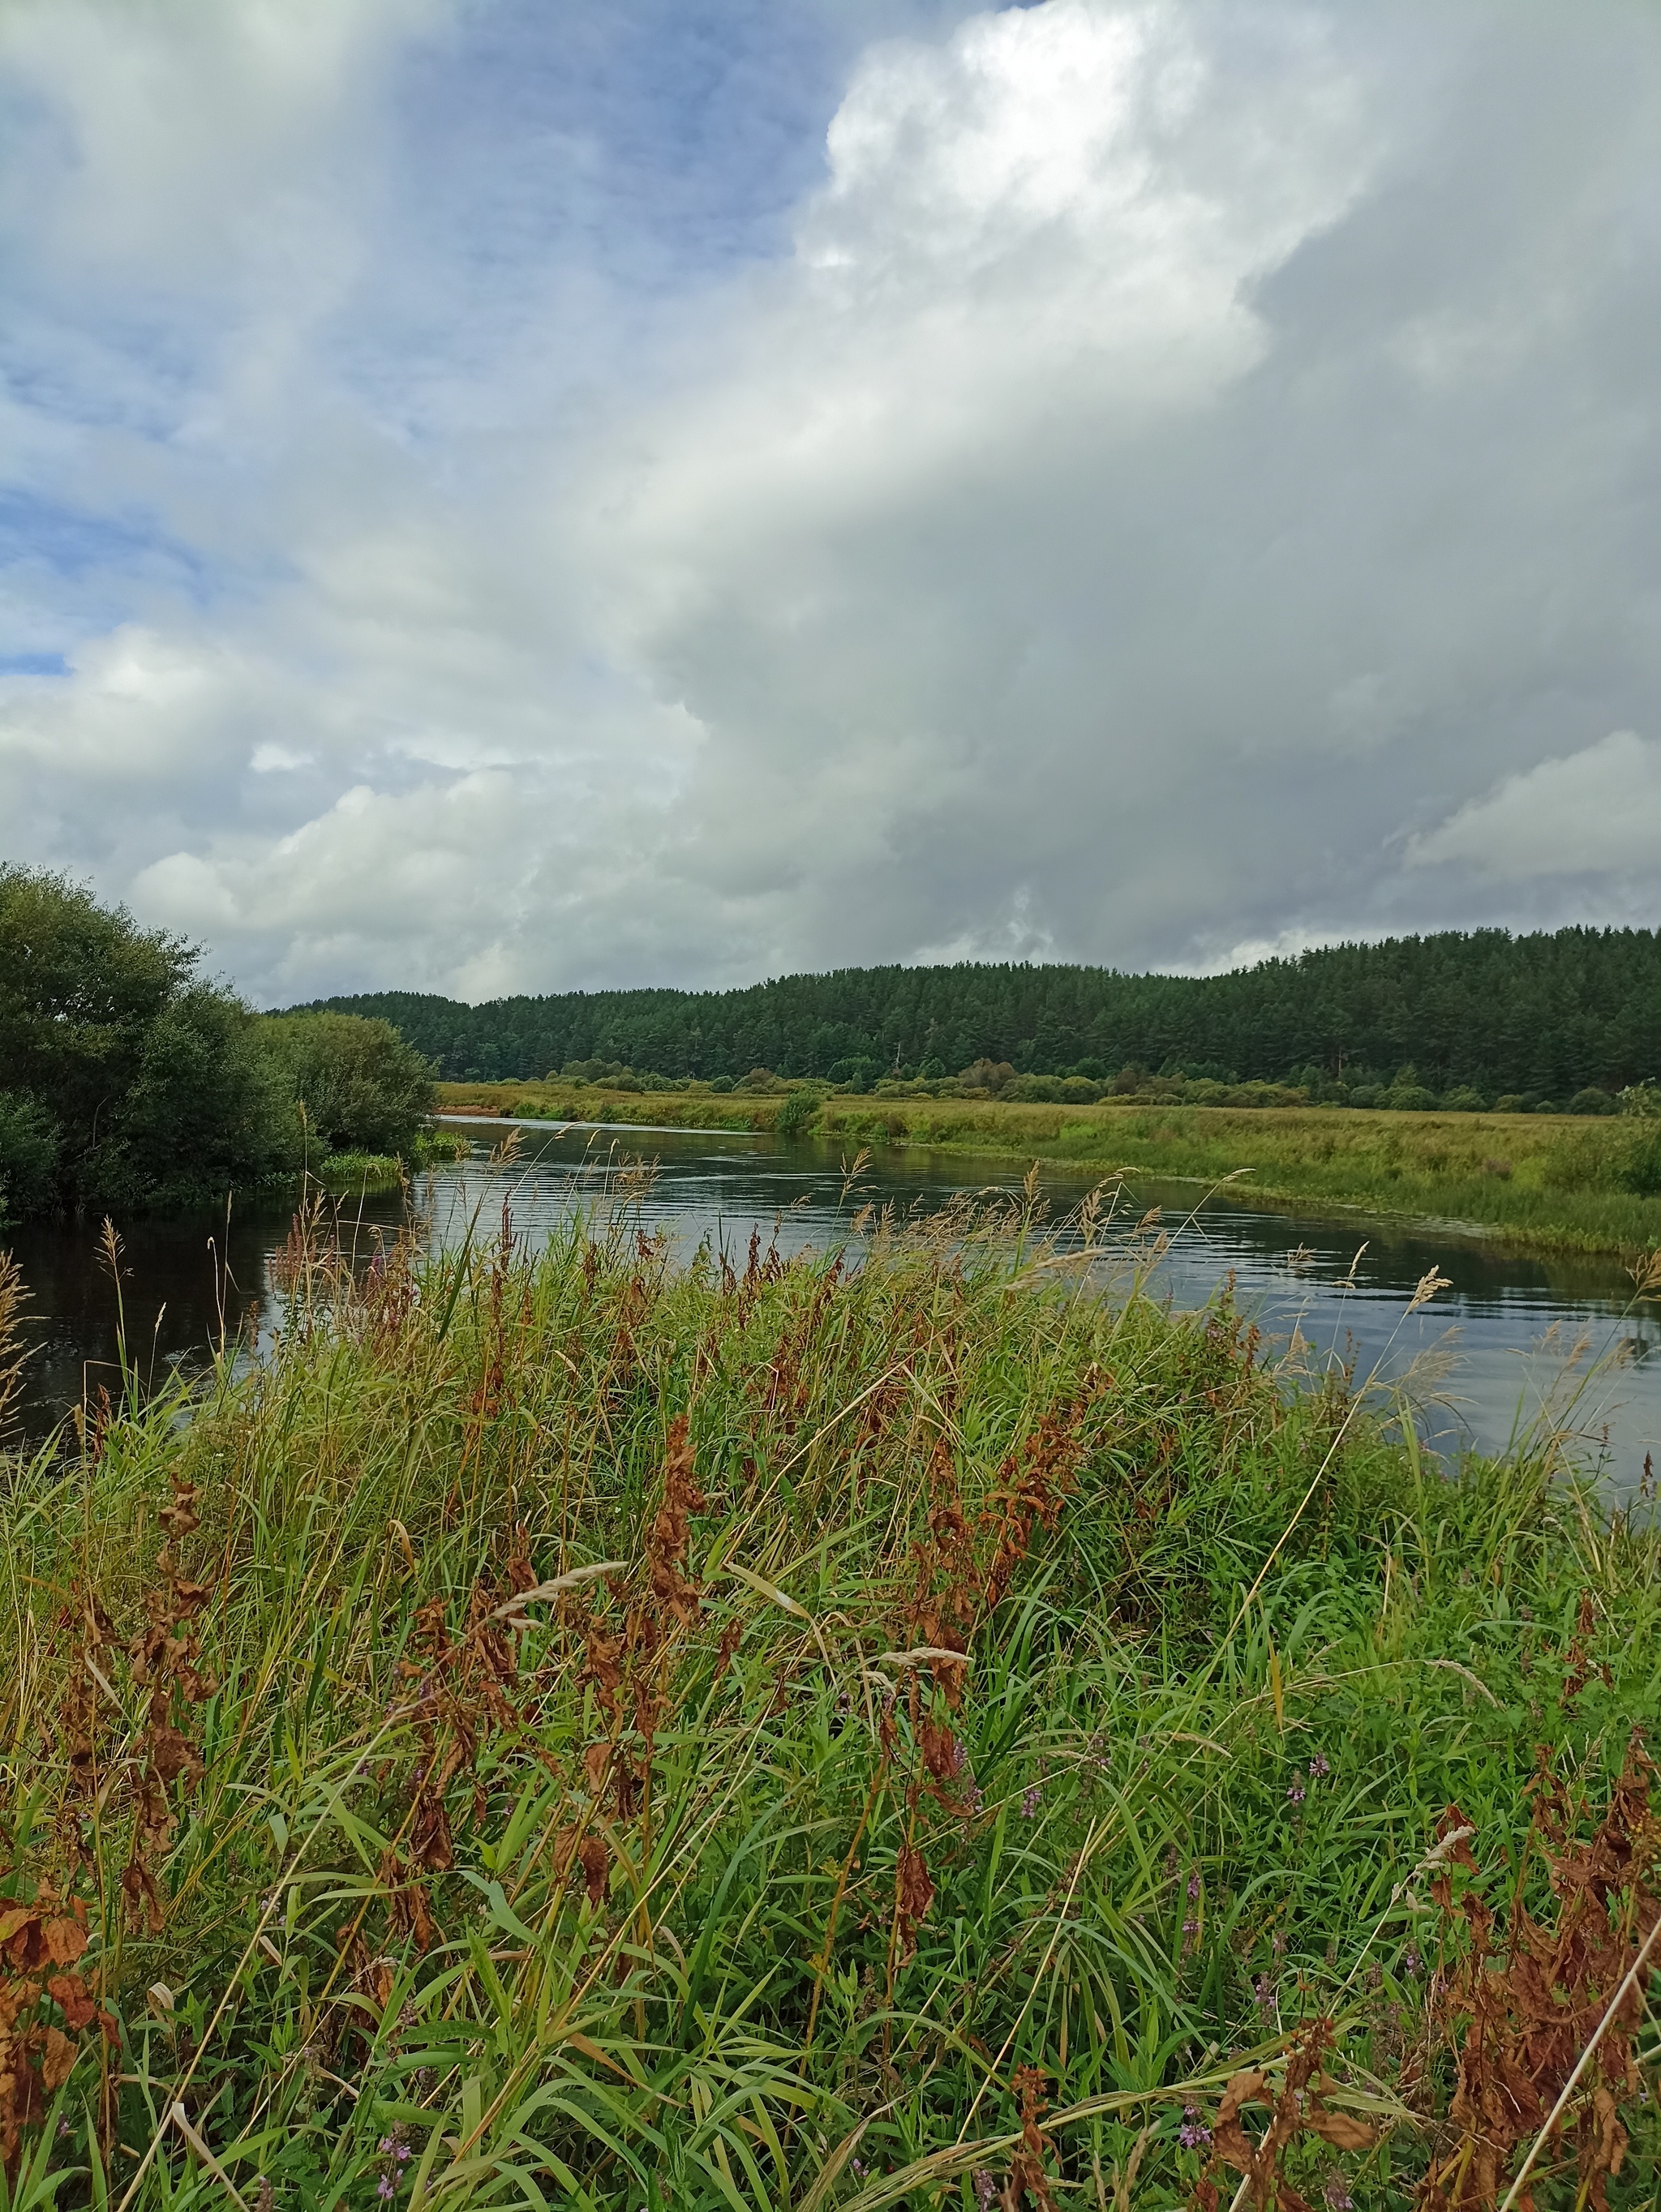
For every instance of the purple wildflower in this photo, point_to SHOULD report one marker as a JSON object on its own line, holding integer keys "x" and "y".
{"x": 386, "y": 2187}
{"x": 1296, "y": 1793}
{"x": 1029, "y": 1801}
{"x": 1194, "y": 1883}
{"x": 1319, "y": 1767}
{"x": 856, "y": 2167}
{"x": 1411, "y": 1961}
{"x": 1277, "y": 1944}
{"x": 1263, "y": 1991}
{"x": 1190, "y": 1927}
{"x": 976, "y": 1798}
{"x": 1193, "y": 2131}
{"x": 1337, "y": 2192}
{"x": 986, "y": 2191}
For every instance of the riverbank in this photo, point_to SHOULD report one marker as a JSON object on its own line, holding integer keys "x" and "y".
{"x": 1533, "y": 1181}
{"x": 562, "y": 1729}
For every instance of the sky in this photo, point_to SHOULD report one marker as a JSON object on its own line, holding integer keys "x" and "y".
{"x": 496, "y": 497}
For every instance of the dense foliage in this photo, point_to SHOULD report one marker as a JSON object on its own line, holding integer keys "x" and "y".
{"x": 363, "y": 1087}
{"x": 562, "y": 1730}
{"x": 128, "y": 1080}
{"x": 1545, "y": 1016}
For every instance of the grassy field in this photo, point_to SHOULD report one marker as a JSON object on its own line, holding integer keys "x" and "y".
{"x": 564, "y": 1731}
{"x": 1543, "y": 1180}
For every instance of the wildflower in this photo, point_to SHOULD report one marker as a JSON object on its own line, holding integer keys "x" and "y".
{"x": 1337, "y": 2192}
{"x": 1411, "y": 1961}
{"x": 1194, "y": 1883}
{"x": 1318, "y": 1766}
{"x": 1190, "y": 1926}
{"x": 1029, "y": 1801}
{"x": 976, "y": 1798}
{"x": 1263, "y": 1991}
{"x": 1296, "y": 1793}
{"x": 986, "y": 2191}
{"x": 1193, "y": 2131}
{"x": 856, "y": 2166}
{"x": 1277, "y": 1944}
{"x": 386, "y": 2188}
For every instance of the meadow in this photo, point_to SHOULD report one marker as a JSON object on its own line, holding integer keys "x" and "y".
{"x": 870, "y": 1728}
{"x": 1547, "y": 1181}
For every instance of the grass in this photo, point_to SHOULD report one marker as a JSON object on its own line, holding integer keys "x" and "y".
{"x": 344, "y": 1173}
{"x": 875, "y": 1728}
{"x": 1542, "y": 1182}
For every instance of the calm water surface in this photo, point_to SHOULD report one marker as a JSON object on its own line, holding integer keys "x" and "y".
{"x": 1510, "y": 1333}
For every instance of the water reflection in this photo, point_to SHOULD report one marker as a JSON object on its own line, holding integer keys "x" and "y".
{"x": 1481, "y": 1359}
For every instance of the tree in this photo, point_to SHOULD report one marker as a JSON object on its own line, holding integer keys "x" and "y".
{"x": 29, "y": 1157}
{"x": 128, "y": 1080}
{"x": 363, "y": 1088}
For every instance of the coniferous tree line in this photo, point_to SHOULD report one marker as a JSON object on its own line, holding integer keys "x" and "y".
{"x": 1545, "y": 1016}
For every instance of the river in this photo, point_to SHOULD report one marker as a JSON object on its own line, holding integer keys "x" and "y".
{"x": 1511, "y": 1333}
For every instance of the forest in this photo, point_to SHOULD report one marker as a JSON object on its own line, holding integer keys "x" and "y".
{"x": 1545, "y": 1016}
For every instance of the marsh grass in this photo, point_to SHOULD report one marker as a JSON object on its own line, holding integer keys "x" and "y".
{"x": 874, "y": 1727}
{"x": 1545, "y": 1182}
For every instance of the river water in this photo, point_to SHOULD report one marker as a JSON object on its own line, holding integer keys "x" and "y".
{"x": 1510, "y": 1336}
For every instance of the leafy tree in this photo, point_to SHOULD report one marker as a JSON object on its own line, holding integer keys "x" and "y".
{"x": 29, "y": 1157}
{"x": 363, "y": 1088}
{"x": 128, "y": 1080}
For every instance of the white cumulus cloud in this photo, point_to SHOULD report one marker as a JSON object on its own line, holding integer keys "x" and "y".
{"x": 1594, "y": 812}
{"x": 1102, "y": 479}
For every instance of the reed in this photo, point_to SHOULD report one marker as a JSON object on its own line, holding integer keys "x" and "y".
{"x": 892, "y": 1725}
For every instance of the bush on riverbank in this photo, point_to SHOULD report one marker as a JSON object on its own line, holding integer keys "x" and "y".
{"x": 360, "y": 1086}
{"x": 127, "y": 1081}
{"x": 562, "y": 1730}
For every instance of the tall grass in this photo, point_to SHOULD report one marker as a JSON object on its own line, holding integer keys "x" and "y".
{"x": 1545, "y": 1182}
{"x": 565, "y": 1730}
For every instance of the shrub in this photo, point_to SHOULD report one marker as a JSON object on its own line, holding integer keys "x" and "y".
{"x": 994, "y": 1077}
{"x": 1640, "y": 1100}
{"x": 1462, "y": 1100}
{"x": 1410, "y": 1098}
{"x": 1640, "y": 1172}
{"x": 723, "y": 1083}
{"x": 798, "y": 1110}
{"x": 1591, "y": 1100}
{"x": 1510, "y": 1102}
{"x": 363, "y": 1088}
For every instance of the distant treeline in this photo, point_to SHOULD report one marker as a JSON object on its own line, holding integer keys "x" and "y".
{"x": 1545, "y": 1016}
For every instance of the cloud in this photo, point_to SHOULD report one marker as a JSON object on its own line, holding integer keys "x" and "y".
{"x": 522, "y": 498}
{"x": 1596, "y": 813}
